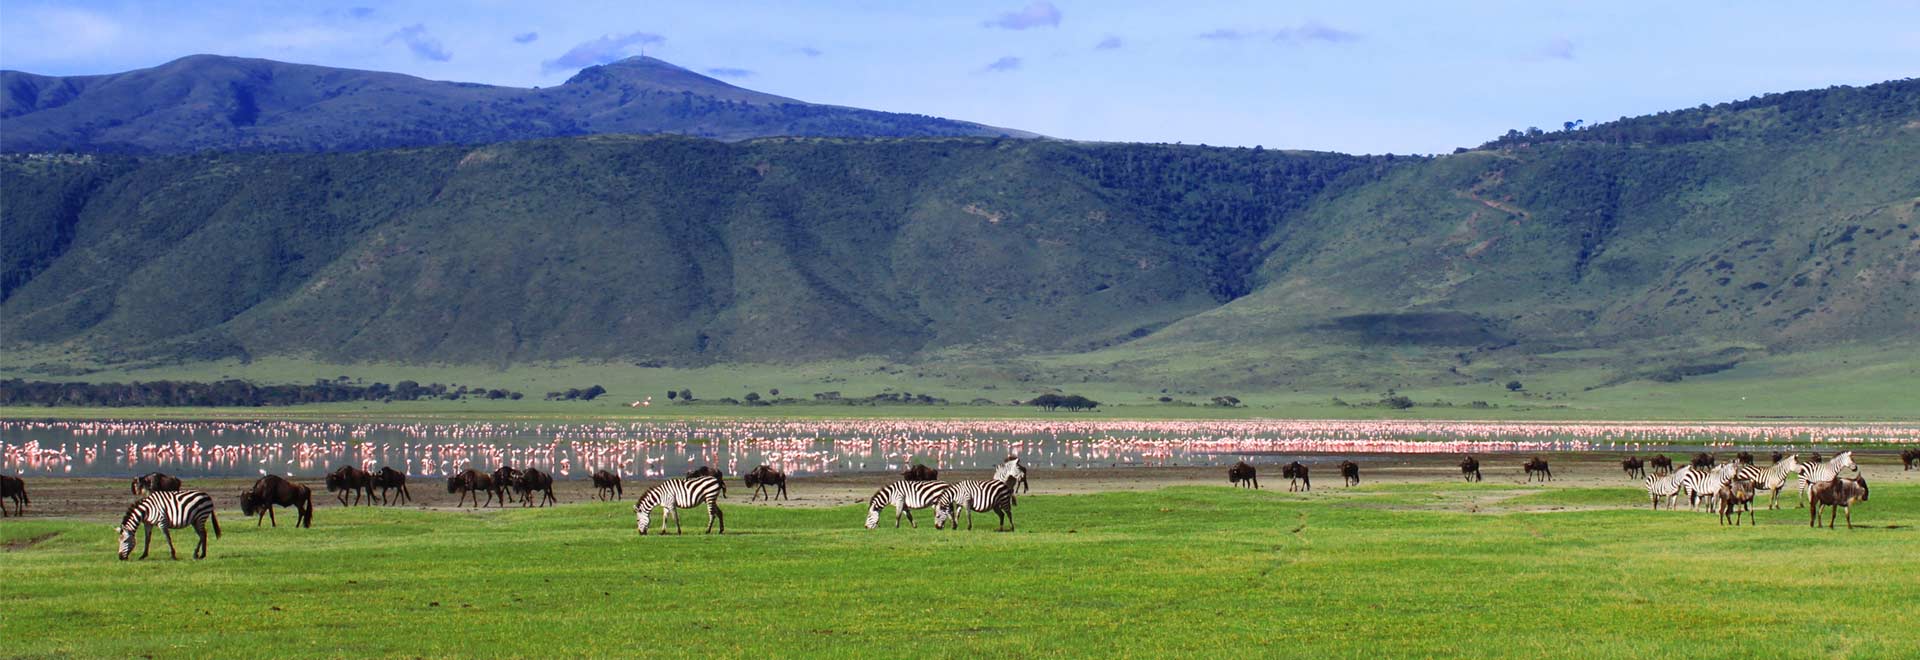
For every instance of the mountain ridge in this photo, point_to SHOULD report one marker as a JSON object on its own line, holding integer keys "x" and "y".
{"x": 213, "y": 102}
{"x": 1260, "y": 269}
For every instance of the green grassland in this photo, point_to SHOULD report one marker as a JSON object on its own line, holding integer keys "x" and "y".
{"x": 1193, "y": 571}
{"x": 1853, "y": 384}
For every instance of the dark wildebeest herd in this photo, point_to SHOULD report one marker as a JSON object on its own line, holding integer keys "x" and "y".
{"x": 1727, "y": 489}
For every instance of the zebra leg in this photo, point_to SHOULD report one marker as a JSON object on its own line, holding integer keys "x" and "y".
{"x": 200, "y": 549}
{"x": 713, "y": 516}
{"x": 676, "y": 520}
{"x": 149, "y": 545}
{"x": 168, "y": 532}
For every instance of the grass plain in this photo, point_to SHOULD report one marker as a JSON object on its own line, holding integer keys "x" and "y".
{"x": 1411, "y": 569}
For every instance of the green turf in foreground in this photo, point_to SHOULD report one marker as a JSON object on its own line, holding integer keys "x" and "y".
{"x": 1186, "y": 572}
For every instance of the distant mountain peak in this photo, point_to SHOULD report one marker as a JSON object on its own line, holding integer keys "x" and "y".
{"x": 641, "y": 72}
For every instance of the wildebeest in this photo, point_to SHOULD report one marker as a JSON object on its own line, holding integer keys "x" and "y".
{"x": 762, "y": 477}
{"x": 1778, "y": 455}
{"x": 1243, "y": 475}
{"x": 394, "y": 481}
{"x": 1908, "y": 458}
{"x": 1296, "y": 474}
{"x": 154, "y": 482}
{"x": 351, "y": 479}
{"x": 1840, "y": 493}
{"x": 709, "y": 471}
{"x": 920, "y": 472}
{"x": 1704, "y": 460}
{"x": 14, "y": 489}
{"x": 503, "y": 478}
{"x": 1814, "y": 457}
{"x": 273, "y": 490}
{"x": 1737, "y": 494}
{"x": 1470, "y": 468}
{"x": 606, "y": 485}
{"x": 1350, "y": 471}
{"x": 1661, "y": 464}
{"x": 1635, "y": 468}
{"x": 1537, "y": 467}
{"x": 1012, "y": 471}
{"x": 1743, "y": 458}
{"x": 531, "y": 481}
{"x": 471, "y": 483}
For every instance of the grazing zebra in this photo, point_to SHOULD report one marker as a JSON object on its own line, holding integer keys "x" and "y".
{"x": 1822, "y": 471}
{"x": 1667, "y": 486}
{"x": 169, "y": 510}
{"x": 1012, "y": 469}
{"x": 984, "y": 496}
{"x": 905, "y": 496}
{"x": 676, "y": 494}
{"x": 1772, "y": 478}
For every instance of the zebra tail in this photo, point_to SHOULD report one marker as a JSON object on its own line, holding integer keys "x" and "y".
{"x": 215, "y": 517}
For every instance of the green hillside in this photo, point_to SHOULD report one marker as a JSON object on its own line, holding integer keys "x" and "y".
{"x": 1579, "y": 258}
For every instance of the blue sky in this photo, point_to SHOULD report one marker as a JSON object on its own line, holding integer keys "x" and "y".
{"x": 1373, "y": 77}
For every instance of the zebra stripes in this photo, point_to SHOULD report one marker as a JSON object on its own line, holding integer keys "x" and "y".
{"x": 905, "y": 496}
{"x": 169, "y": 510}
{"x": 1771, "y": 478}
{"x": 1811, "y": 473}
{"x": 676, "y": 494}
{"x": 1667, "y": 486}
{"x": 984, "y": 496}
{"x": 1699, "y": 482}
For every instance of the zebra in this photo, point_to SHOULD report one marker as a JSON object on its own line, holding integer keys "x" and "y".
{"x": 1012, "y": 469}
{"x": 1772, "y": 478}
{"x": 1709, "y": 486}
{"x": 1667, "y": 486}
{"x": 905, "y": 496}
{"x": 1819, "y": 471}
{"x": 1694, "y": 481}
{"x": 169, "y": 510}
{"x": 676, "y": 494}
{"x": 984, "y": 496}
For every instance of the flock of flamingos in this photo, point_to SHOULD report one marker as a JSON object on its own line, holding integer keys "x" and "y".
{"x": 657, "y": 449}
{"x": 779, "y": 447}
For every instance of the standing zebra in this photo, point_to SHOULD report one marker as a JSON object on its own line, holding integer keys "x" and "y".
{"x": 905, "y": 496}
{"x": 1771, "y": 478}
{"x": 1708, "y": 485}
{"x": 676, "y": 494}
{"x": 169, "y": 510}
{"x": 984, "y": 496}
{"x": 1821, "y": 471}
{"x": 1667, "y": 486}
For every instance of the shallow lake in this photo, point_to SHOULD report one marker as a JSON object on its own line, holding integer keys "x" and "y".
{"x": 805, "y": 447}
